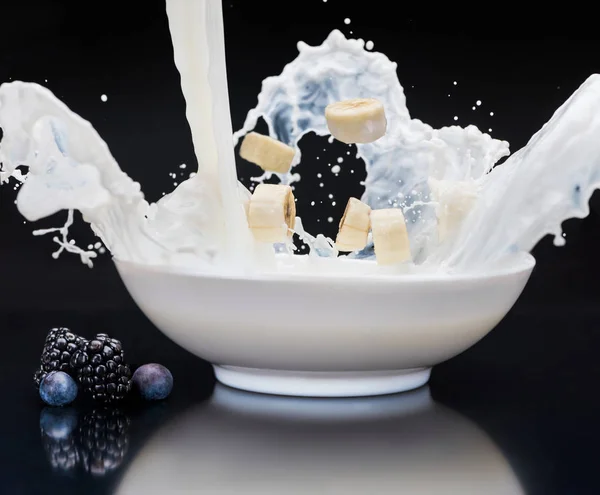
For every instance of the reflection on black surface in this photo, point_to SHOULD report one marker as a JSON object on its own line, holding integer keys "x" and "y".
{"x": 103, "y": 440}
{"x": 58, "y": 428}
{"x": 95, "y": 442}
{"x": 240, "y": 442}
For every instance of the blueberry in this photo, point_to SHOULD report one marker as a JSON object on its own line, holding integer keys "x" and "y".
{"x": 58, "y": 389}
{"x": 153, "y": 381}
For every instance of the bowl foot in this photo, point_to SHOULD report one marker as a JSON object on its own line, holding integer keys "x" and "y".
{"x": 322, "y": 384}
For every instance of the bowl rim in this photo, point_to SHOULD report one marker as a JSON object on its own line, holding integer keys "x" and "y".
{"x": 520, "y": 263}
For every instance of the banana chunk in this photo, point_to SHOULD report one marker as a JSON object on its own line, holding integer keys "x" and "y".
{"x": 354, "y": 226}
{"x": 360, "y": 120}
{"x": 268, "y": 153}
{"x": 390, "y": 237}
{"x": 272, "y": 213}
{"x": 455, "y": 200}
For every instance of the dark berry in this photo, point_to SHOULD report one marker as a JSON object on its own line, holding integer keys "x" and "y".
{"x": 101, "y": 370}
{"x": 153, "y": 381}
{"x": 104, "y": 440}
{"x": 58, "y": 350}
{"x": 58, "y": 389}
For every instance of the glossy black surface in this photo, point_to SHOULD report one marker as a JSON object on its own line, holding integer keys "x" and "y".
{"x": 527, "y": 393}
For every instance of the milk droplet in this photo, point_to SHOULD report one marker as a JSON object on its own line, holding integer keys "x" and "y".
{"x": 331, "y": 196}
{"x": 104, "y": 97}
{"x": 340, "y": 159}
{"x": 319, "y": 175}
{"x": 347, "y": 20}
{"x": 473, "y": 108}
{"x": 330, "y": 219}
{"x": 369, "y": 45}
{"x": 183, "y": 165}
{"x": 98, "y": 245}
{"x": 321, "y": 184}
{"x": 336, "y": 169}
{"x": 478, "y": 103}
{"x": 333, "y": 203}
{"x": 352, "y": 171}
{"x": 329, "y": 140}
{"x": 456, "y": 117}
{"x": 90, "y": 246}
{"x": 192, "y": 174}
{"x": 312, "y": 203}
{"x": 492, "y": 114}
{"x": 455, "y": 83}
{"x": 490, "y": 129}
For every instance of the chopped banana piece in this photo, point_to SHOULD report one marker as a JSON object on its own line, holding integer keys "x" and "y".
{"x": 268, "y": 153}
{"x": 390, "y": 237}
{"x": 354, "y": 226}
{"x": 360, "y": 120}
{"x": 455, "y": 200}
{"x": 272, "y": 213}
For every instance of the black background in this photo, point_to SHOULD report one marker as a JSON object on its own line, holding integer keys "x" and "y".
{"x": 531, "y": 383}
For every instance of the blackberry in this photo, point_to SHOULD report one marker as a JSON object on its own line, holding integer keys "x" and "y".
{"x": 59, "y": 347}
{"x": 103, "y": 440}
{"x": 101, "y": 369}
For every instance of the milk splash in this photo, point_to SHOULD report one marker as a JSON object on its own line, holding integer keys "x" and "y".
{"x": 201, "y": 224}
{"x": 519, "y": 202}
{"x": 400, "y": 163}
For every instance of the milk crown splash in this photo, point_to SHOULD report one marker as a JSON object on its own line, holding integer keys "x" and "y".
{"x": 400, "y": 163}
{"x": 201, "y": 226}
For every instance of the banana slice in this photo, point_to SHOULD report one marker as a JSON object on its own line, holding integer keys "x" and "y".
{"x": 455, "y": 200}
{"x": 360, "y": 120}
{"x": 268, "y": 153}
{"x": 390, "y": 237}
{"x": 272, "y": 213}
{"x": 354, "y": 226}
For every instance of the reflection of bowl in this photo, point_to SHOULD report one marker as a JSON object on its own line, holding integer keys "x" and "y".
{"x": 327, "y": 333}
{"x": 240, "y": 443}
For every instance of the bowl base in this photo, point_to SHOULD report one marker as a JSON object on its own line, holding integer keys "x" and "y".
{"x": 322, "y": 384}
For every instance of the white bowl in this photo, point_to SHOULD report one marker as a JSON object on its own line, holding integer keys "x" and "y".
{"x": 341, "y": 334}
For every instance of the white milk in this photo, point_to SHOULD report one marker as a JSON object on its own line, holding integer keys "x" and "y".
{"x": 201, "y": 225}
